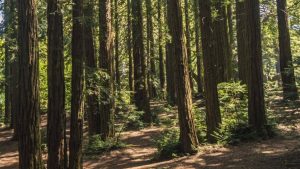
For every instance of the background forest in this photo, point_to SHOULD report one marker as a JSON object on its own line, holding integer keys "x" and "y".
{"x": 79, "y": 79}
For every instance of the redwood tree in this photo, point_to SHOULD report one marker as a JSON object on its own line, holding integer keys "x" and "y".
{"x": 241, "y": 43}
{"x": 256, "y": 102}
{"x": 129, "y": 48}
{"x": 160, "y": 47}
{"x": 198, "y": 51}
{"x": 286, "y": 61}
{"x": 92, "y": 94}
{"x": 107, "y": 65}
{"x": 213, "y": 117}
{"x": 141, "y": 95}
{"x": 77, "y": 97}
{"x": 29, "y": 128}
{"x": 56, "y": 87}
{"x": 188, "y": 137}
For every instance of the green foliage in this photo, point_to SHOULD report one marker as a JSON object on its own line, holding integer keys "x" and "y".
{"x": 134, "y": 120}
{"x": 168, "y": 144}
{"x": 97, "y": 146}
{"x": 233, "y": 102}
{"x": 234, "y": 106}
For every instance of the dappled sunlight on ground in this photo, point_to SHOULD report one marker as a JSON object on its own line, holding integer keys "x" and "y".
{"x": 281, "y": 152}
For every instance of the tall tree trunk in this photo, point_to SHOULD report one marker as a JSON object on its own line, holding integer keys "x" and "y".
{"x": 160, "y": 50}
{"x": 213, "y": 116}
{"x": 107, "y": 65}
{"x": 141, "y": 96}
{"x": 286, "y": 61}
{"x": 8, "y": 57}
{"x": 92, "y": 94}
{"x": 188, "y": 41}
{"x": 77, "y": 99}
{"x": 170, "y": 63}
{"x": 171, "y": 84}
{"x": 198, "y": 52}
{"x": 13, "y": 32}
{"x": 243, "y": 58}
{"x": 256, "y": 102}
{"x": 117, "y": 32}
{"x": 29, "y": 128}
{"x": 221, "y": 42}
{"x": 56, "y": 87}
{"x": 188, "y": 137}
{"x": 230, "y": 29}
{"x": 129, "y": 48}
{"x": 150, "y": 49}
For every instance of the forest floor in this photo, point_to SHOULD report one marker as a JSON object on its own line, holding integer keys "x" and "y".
{"x": 280, "y": 152}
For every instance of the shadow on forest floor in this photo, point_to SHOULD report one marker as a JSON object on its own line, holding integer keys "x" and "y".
{"x": 281, "y": 152}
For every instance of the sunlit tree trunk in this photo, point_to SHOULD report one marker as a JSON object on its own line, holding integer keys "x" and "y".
{"x": 198, "y": 52}
{"x": 188, "y": 137}
{"x": 286, "y": 61}
{"x": 188, "y": 40}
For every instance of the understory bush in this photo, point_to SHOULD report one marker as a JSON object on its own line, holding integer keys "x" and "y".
{"x": 168, "y": 144}
{"x": 97, "y": 146}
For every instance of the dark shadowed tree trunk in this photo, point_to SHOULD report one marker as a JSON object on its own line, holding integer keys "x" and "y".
{"x": 213, "y": 117}
{"x": 170, "y": 62}
{"x": 286, "y": 60}
{"x": 7, "y": 64}
{"x": 162, "y": 78}
{"x": 188, "y": 137}
{"x": 171, "y": 92}
{"x": 256, "y": 102}
{"x": 107, "y": 65}
{"x": 11, "y": 34}
{"x": 129, "y": 49}
{"x": 92, "y": 94}
{"x": 150, "y": 49}
{"x": 221, "y": 41}
{"x": 141, "y": 96}
{"x": 56, "y": 87}
{"x": 241, "y": 43}
{"x": 117, "y": 34}
{"x": 198, "y": 52}
{"x": 29, "y": 128}
{"x": 77, "y": 103}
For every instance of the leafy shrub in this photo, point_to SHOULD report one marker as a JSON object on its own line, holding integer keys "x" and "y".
{"x": 234, "y": 106}
{"x": 97, "y": 146}
{"x": 134, "y": 120}
{"x": 168, "y": 144}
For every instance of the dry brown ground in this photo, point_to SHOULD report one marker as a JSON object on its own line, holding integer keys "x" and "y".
{"x": 281, "y": 152}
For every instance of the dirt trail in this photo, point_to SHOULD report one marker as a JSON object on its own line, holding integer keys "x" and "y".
{"x": 281, "y": 152}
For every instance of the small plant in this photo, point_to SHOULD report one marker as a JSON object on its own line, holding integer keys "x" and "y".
{"x": 168, "y": 144}
{"x": 134, "y": 120}
{"x": 97, "y": 146}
